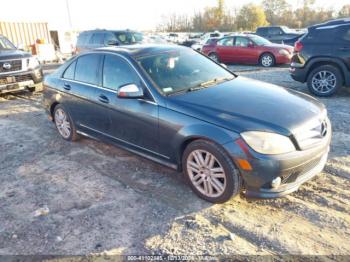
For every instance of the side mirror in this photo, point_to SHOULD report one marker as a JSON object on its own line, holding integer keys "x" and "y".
{"x": 223, "y": 65}
{"x": 130, "y": 91}
{"x": 112, "y": 42}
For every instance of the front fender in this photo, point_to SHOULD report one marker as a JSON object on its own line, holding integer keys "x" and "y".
{"x": 205, "y": 131}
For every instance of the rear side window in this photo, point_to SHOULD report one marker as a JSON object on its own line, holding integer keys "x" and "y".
{"x": 87, "y": 69}
{"x": 97, "y": 39}
{"x": 69, "y": 73}
{"x": 83, "y": 39}
{"x": 262, "y": 31}
{"x": 274, "y": 31}
{"x": 117, "y": 72}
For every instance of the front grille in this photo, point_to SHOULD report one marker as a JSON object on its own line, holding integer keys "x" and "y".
{"x": 19, "y": 78}
{"x": 313, "y": 132}
{"x": 292, "y": 176}
{"x": 10, "y": 66}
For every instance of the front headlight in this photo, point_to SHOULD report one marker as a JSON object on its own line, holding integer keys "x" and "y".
{"x": 283, "y": 52}
{"x": 268, "y": 143}
{"x": 32, "y": 63}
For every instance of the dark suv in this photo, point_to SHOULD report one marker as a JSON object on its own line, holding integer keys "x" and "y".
{"x": 278, "y": 34}
{"x": 18, "y": 69}
{"x": 322, "y": 57}
{"x": 92, "y": 39}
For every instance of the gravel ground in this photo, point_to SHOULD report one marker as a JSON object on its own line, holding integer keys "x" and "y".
{"x": 88, "y": 197}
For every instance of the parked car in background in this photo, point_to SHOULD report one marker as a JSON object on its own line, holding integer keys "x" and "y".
{"x": 205, "y": 38}
{"x": 322, "y": 57}
{"x": 179, "y": 108}
{"x": 248, "y": 49}
{"x": 92, "y": 39}
{"x": 19, "y": 70}
{"x": 278, "y": 34}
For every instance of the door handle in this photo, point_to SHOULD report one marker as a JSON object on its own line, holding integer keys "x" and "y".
{"x": 66, "y": 86}
{"x": 103, "y": 99}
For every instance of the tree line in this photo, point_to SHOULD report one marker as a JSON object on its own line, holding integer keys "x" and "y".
{"x": 251, "y": 16}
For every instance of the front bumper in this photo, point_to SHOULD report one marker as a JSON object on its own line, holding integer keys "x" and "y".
{"x": 11, "y": 82}
{"x": 293, "y": 168}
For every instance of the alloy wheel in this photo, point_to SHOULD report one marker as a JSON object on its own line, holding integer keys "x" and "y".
{"x": 267, "y": 60}
{"x": 62, "y": 123}
{"x": 206, "y": 173}
{"x": 324, "y": 81}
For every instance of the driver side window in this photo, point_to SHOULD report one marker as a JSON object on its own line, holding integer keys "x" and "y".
{"x": 117, "y": 72}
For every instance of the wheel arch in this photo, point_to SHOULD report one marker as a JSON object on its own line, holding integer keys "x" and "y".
{"x": 312, "y": 65}
{"x": 52, "y": 109}
{"x": 188, "y": 135}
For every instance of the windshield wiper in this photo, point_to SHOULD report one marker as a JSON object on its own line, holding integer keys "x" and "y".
{"x": 210, "y": 83}
{"x": 202, "y": 85}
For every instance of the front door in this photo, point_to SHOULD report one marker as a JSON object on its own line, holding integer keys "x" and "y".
{"x": 133, "y": 121}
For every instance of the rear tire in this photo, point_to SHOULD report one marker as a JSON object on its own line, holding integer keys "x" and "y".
{"x": 267, "y": 60}
{"x": 64, "y": 123}
{"x": 325, "y": 80}
{"x": 214, "y": 57}
{"x": 210, "y": 172}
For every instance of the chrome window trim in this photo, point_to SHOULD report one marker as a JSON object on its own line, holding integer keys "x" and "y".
{"x": 105, "y": 88}
{"x": 126, "y": 142}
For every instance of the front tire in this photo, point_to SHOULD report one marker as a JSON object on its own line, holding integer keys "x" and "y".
{"x": 214, "y": 57}
{"x": 210, "y": 172}
{"x": 267, "y": 60}
{"x": 324, "y": 80}
{"x": 64, "y": 123}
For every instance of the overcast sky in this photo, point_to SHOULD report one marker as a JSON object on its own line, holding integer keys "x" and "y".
{"x": 117, "y": 14}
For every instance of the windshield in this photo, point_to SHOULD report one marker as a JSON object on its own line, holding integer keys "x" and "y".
{"x": 259, "y": 40}
{"x": 6, "y": 44}
{"x": 183, "y": 70}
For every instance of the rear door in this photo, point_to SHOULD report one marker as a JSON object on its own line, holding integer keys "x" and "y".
{"x": 79, "y": 81}
{"x": 226, "y": 50}
{"x": 342, "y": 44}
{"x": 133, "y": 121}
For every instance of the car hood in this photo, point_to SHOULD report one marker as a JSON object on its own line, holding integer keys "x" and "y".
{"x": 244, "y": 104}
{"x": 13, "y": 54}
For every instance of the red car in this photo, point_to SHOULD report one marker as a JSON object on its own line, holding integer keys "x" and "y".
{"x": 248, "y": 49}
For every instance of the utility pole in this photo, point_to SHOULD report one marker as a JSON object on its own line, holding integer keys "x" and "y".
{"x": 69, "y": 16}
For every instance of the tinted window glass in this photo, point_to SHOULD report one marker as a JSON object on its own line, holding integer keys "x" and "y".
{"x": 262, "y": 31}
{"x": 242, "y": 41}
{"x": 117, "y": 72}
{"x": 325, "y": 35}
{"x": 226, "y": 41}
{"x": 274, "y": 31}
{"x": 83, "y": 38}
{"x": 87, "y": 69}
{"x": 69, "y": 73}
{"x": 109, "y": 38}
{"x": 97, "y": 39}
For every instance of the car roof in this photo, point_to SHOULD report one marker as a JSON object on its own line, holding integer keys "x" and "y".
{"x": 106, "y": 30}
{"x": 140, "y": 50}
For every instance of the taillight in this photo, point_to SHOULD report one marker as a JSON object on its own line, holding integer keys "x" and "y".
{"x": 298, "y": 46}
